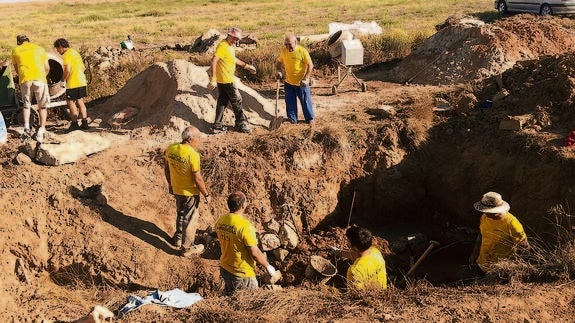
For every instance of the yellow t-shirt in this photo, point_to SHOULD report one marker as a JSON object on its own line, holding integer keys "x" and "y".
{"x": 235, "y": 234}
{"x": 368, "y": 271}
{"x": 183, "y": 161}
{"x": 498, "y": 239}
{"x": 77, "y": 78}
{"x": 226, "y": 67}
{"x": 295, "y": 64}
{"x": 30, "y": 59}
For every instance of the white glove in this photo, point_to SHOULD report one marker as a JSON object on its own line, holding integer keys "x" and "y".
{"x": 304, "y": 82}
{"x": 279, "y": 75}
{"x": 271, "y": 270}
{"x": 212, "y": 85}
{"x": 250, "y": 68}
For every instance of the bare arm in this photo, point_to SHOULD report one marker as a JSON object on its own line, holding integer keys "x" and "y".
{"x": 67, "y": 72}
{"x": 258, "y": 256}
{"x": 214, "y": 64}
{"x": 46, "y": 67}
{"x": 309, "y": 70}
{"x": 240, "y": 63}
{"x": 200, "y": 183}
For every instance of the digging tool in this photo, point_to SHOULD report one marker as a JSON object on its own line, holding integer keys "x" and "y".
{"x": 432, "y": 244}
{"x": 276, "y": 121}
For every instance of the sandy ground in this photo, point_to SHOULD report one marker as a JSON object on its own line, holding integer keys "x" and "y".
{"x": 373, "y": 158}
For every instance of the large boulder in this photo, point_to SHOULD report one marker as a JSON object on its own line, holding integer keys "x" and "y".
{"x": 67, "y": 148}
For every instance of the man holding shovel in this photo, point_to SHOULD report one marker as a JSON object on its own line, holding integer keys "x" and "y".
{"x": 223, "y": 68}
{"x": 239, "y": 246}
{"x": 298, "y": 68}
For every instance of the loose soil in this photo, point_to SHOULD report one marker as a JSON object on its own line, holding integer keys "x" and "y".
{"x": 384, "y": 158}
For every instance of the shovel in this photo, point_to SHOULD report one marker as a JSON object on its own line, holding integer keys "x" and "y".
{"x": 276, "y": 121}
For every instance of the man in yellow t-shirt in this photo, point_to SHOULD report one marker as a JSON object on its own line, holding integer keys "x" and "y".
{"x": 31, "y": 64}
{"x": 368, "y": 269}
{"x": 76, "y": 83}
{"x": 298, "y": 67}
{"x": 500, "y": 232}
{"x": 239, "y": 246}
{"x": 182, "y": 172}
{"x": 222, "y": 75}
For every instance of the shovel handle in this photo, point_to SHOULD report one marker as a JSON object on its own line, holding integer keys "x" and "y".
{"x": 277, "y": 96}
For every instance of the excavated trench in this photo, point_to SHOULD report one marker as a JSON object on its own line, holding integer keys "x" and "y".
{"x": 429, "y": 195}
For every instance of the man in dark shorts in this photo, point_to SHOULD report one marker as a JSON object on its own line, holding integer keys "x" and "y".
{"x": 76, "y": 84}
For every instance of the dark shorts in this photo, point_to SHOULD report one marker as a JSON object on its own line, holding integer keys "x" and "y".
{"x": 76, "y": 93}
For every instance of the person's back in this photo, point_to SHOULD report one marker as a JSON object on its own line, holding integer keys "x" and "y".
{"x": 368, "y": 271}
{"x": 77, "y": 78}
{"x": 183, "y": 160}
{"x": 235, "y": 233}
{"x": 499, "y": 239}
{"x": 29, "y": 59}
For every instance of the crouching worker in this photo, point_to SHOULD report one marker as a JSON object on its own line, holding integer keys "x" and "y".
{"x": 368, "y": 268}
{"x": 500, "y": 234}
{"x": 239, "y": 246}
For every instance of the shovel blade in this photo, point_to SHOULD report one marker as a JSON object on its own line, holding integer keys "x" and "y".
{"x": 276, "y": 123}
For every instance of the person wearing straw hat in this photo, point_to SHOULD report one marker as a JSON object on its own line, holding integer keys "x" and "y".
{"x": 500, "y": 232}
{"x": 239, "y": 247}
{"x": 368, "y": 268}
{"x": 223, "y": 68}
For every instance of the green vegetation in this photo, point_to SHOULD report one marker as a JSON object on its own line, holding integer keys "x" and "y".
{"x": 152, "y": 24}
{"x": 104, "y": 23}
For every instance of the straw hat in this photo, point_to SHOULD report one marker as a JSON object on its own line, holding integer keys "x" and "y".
{"x": 492, "y": 202}
{"x": 235, "y": 32}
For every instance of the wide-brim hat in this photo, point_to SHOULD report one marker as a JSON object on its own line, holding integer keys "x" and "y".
{"x": 235, "y": 32}
{"x": 492, "y": 202}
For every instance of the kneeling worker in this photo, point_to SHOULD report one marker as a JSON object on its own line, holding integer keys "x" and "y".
{"x": 239, "y": 246}
{"x": 368, "y": 268}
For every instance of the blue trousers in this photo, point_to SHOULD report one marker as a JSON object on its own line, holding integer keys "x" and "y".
{"x": 303, "y": 93}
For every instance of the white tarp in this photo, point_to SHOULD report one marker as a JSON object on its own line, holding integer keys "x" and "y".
{"x": 358, "y": 27}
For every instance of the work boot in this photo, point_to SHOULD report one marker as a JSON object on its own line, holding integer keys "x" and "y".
{"x": 218, "y": 128}
{"x": 84, "y": 125}
{"x": 40, "y": 134}
{"x": 26, "y": 135}
{"x": 243, "y": 127}
{"x": 73, "y": 126}
{"x": 177, "y": 242}
{"x": 193, "y": 250}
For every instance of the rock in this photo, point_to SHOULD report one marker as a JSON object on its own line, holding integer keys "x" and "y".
{"x": 272, "y": 226}
{"x": 288, "y": 235}
{"x": 22, "y": 159}
{"x": 269, "y": 242}
{"x": 73, "y": 146}
{"x": 280, "y": 253}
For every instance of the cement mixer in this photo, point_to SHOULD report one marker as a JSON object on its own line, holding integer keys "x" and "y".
{"x": 347, "y": 52}
{"x": 11, "y": 100}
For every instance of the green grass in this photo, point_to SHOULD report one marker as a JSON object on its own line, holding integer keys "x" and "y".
{"x": 96, "y": 23}
{"x": 151, "y": 24}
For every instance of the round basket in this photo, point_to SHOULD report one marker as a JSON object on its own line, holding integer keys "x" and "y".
{"x": 323, "y": 266}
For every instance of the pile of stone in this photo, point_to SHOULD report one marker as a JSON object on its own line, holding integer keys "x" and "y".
{"x": 106, "y": 57}
{"x": 279, "y": 238}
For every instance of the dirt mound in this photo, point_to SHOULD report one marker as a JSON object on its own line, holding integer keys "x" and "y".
{"x": 466, "y": 49}
{"x": 542, "y": 87}
{"x": 173, "y": 94}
